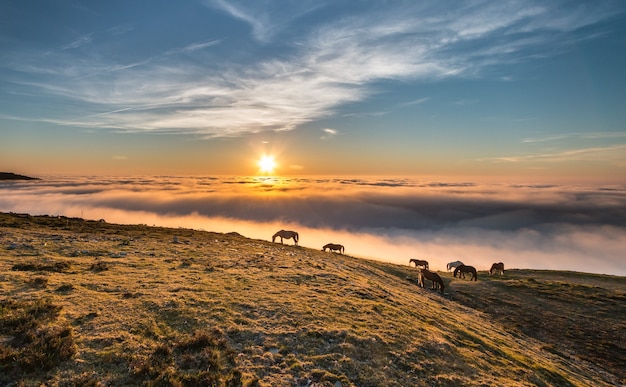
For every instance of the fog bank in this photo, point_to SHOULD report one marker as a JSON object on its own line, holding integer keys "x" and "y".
{"x": 580, "y": 228}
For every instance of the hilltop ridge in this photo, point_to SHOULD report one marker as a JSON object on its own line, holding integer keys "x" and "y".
{"x": 14, "y": 176}
{"x": 132, "y": 304}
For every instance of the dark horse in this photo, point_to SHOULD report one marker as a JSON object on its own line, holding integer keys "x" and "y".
{"x": 431, "y": 276}
{"x": 462, "y": 269}
{"x": 419, "y": 262}
{"x": 333, "y": 247}
{"x": 286, "y": 234}
{"x": 497, "y": 267}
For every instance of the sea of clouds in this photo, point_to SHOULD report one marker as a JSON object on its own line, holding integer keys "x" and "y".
{"x": 563, "y": 227}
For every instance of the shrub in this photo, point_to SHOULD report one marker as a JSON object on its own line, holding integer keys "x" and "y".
{"x": 38, "y": 282}
{"x": 99, "y": 266}
{"x": 59, "y": 267}
{"x": 33, "y": 344}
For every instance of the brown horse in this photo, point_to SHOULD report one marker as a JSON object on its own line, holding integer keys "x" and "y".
{"x": 419, "y": 262}
{"x": 287, "y": 235}
{"x": 462, "y": 269}
{"x": 333, "y": 247}
{"x": 431, "y": 276}
{"x": 497, "y": 267}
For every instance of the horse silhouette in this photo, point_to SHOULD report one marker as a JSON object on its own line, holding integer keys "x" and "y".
{"x": 497, "y": 267}
{"x": 462, "y": 269}
{"x": 453, "y": 265}
{"x": 431, "y": 276}
{"x": 287, "y": 235}
{"x": 419, "y": 262}
{"x": 333, "y": 247}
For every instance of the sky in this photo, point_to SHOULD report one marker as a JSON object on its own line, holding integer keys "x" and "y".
{"x": 525, "y": 226}
{"x": 510, "y": 91}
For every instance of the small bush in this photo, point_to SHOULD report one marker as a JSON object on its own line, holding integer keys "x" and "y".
{"x": 204, "y": 359}
{"x": 65, "y": 288}
{"x": 99, "y": 267}
{"x": 59, "y": 267}
{"x": 32, "y": 344}
{"x": 38, "y": 282}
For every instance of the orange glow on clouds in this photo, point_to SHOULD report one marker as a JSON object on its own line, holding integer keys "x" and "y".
{"x": 544, "y": 226}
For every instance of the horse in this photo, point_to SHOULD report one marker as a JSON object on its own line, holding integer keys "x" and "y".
{"x": 453, "y": 265}
{"x": 431, "y": 276}
{"x": 462, "y": 269}
{"x": 497, "y": 267}
{"x": 333, "y": 247}
{"x": 419, "y": 262}
{"x": 287, "y": 235}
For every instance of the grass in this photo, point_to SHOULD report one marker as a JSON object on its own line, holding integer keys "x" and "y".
{"x": 92, "y": 303}
{"x": 34, "y": 338}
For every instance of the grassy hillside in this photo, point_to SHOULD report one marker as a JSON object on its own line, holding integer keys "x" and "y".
{"x": 90, "y": 303}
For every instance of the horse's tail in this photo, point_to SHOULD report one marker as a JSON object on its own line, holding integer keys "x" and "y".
{"x": 295, "y": 236}
{"x": 436, "y": 278}
{"x": 475, "y": 275}
{"x": 343, "y": 249}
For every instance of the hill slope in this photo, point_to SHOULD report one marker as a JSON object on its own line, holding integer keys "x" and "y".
{"x": 92, "y": 303}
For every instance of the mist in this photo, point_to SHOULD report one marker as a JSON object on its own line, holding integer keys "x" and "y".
{"x": 561, "y": 227}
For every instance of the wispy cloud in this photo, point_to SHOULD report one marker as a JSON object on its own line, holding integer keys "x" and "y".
{"x": 414, "y": 102}
{"x": 201, "y": 45}
{"x": 614, "y": 154}
{"x": 81, "y": 41}
{"x": 266, "y": 18}
{"x": 328, "y": 133}
{"x": 327, "y": 66}
{"x": 585, "y": 136}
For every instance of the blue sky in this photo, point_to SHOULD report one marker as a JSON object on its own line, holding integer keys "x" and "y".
{"x": 447, "y": 88}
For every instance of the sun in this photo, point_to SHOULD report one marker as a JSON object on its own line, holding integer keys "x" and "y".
{"x": 267, "y": 164}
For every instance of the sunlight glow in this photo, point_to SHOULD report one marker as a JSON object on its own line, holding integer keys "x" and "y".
{"x": 267, "y": 164}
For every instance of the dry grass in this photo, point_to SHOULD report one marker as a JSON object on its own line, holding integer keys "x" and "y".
{"x": 138, "y": 305}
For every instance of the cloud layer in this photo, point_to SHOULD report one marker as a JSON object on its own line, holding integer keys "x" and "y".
{"x": 579, "y": 228}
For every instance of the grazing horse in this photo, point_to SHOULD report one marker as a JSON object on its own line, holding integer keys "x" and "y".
{"x": 286, "y": 234}
{"x": 497, "y": 267}
{"x": 431, "y": 276}
{"x": 462, "y": 269}
{"x": 419, "y": 262}
{"x": 333, "y": 247}
{"x": 453, "y": 265}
